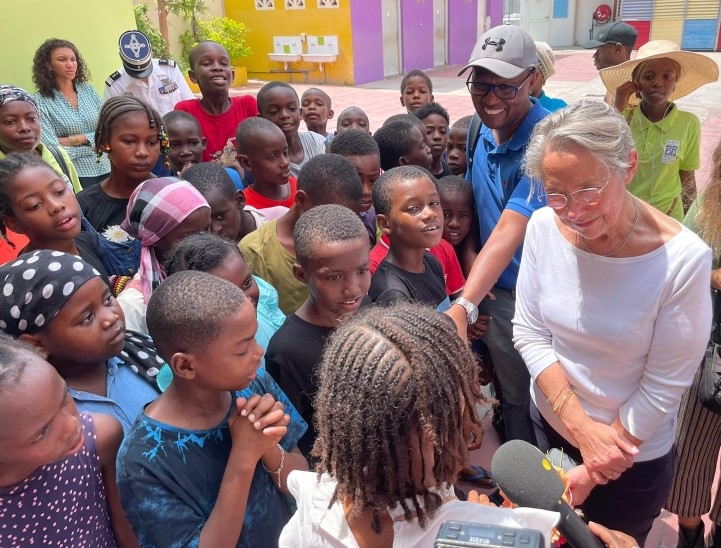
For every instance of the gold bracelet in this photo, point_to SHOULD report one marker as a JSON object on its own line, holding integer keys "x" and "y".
{"x": 561, "y": 391}
{"x": 280, "y": 467}
{"x": 567, "y": 393}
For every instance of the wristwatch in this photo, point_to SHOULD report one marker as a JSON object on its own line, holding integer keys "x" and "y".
{"x": 469, "y": 307}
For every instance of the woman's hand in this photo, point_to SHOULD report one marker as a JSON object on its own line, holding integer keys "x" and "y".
{"x": 624, "y": 93}
{"x": 606, "y": 452}
{"x": 612, "y": 539}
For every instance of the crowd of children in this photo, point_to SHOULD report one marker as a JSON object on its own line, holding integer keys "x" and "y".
{"x": 216, "y": 329}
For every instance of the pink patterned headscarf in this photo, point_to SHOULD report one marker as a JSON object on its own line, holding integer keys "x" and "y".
{"x": 155, "y": 209}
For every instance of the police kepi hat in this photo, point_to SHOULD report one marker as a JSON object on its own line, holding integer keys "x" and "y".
{"x": 136, "y": 53}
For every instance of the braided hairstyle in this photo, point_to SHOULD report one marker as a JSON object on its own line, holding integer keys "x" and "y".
{"x": 15, "y": 354}
{"x": 10, "y": 167}
{"x": 203, "y": 251}
{"x": 387, "y": 386}
{"x": 43, "y": 78}
{"x": 116, "y": 107}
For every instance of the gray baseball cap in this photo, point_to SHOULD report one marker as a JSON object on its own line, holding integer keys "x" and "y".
{"x": 505, "y": 50}
{"x": 613, "y": 33}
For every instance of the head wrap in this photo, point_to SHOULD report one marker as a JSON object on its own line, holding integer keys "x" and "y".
{"x": 156, "y": 208}
{"x": 13, "y": 93}
{"x": 36, "y": 286}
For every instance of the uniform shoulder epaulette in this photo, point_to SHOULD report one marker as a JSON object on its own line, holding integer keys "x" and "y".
{"x": 168, "y": 62}
{"x": 114, "y": 76}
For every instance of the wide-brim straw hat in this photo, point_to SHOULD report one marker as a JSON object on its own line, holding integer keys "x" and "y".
{"x": 696, "y": 69}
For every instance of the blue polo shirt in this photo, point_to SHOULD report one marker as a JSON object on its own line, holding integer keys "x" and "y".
{"x": 498, "y": 183}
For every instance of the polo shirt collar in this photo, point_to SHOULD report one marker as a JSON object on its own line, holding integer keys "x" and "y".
{"x": 520, "y": 138}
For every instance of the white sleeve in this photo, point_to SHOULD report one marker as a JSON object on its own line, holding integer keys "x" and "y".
{"x": 531, "y": 337}
{"x": 183, "y": 87}
{"x": 680, "y": 334}
{"x": 134, "y": 308}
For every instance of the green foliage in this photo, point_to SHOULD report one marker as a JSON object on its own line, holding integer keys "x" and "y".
{"x": 227, "y": 32}
{"x": 159, "y": 45}
{"x": 190, "y": 10}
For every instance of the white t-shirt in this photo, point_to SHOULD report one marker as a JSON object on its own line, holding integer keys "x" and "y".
{"x": 317, "y": 526}
{"x": 313, "y": 144}
{"x": 629, "y": 332}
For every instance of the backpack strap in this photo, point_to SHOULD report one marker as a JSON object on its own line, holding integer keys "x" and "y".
{"x": 59, "y": 159}
{"x": 474, "y": 132}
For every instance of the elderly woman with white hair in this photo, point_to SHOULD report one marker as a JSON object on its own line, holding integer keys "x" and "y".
{"x": 613, "y": 313}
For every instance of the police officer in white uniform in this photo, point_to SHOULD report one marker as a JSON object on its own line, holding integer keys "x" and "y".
{"x": 158, "y": 82}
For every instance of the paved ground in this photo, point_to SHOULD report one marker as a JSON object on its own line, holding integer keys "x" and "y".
{"x": 575, "y": 78}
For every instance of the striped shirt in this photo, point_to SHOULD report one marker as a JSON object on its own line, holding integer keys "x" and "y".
{"x": 59, "y": 119}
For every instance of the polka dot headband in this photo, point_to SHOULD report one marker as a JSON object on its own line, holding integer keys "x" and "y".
{"x": 36, "y": 286}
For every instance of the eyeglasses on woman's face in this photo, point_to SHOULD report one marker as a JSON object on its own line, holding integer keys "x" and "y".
{"x": 585, "y": 196}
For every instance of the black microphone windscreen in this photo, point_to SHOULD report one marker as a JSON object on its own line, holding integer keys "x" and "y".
{"x": 526, "y": 476}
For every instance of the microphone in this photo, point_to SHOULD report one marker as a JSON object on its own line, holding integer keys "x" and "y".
{"x": 526, "y": 476}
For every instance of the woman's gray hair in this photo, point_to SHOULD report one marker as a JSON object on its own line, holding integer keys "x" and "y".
{"x": 593, "y": 126}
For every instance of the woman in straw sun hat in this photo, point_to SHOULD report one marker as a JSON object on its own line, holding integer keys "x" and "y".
{"x": 547, "y": 66}
{"x": 667, "y": 139}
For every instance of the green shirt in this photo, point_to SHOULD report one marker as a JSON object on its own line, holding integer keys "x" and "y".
{"x": 665, "y": 148}
{"x": 49, "y": 159}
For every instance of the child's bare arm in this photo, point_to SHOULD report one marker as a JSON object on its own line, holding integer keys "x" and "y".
{"x": 251, "y": 440}
{"x": 109, "y": 435}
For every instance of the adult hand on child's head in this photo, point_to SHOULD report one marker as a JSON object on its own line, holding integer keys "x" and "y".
{"x": 258, "y": 424}
{"x": 612, "y": 539}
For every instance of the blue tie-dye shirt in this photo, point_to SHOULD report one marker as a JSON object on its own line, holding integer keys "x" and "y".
{"x": 169, "y": 479}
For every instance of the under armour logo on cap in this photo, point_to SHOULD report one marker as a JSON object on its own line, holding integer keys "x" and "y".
{"x": 490, "y": 42}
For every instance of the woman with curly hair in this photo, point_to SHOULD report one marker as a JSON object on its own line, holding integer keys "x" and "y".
{"x": 69, "y": 107}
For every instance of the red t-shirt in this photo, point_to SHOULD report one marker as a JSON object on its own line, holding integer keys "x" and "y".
{"x": 218, "y": 128}
{"x": 445, "y": 254}
{"x": 258, "y": 201}
{"x": 7, "y": 252}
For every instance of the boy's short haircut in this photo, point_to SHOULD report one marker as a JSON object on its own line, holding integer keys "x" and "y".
{"x": 175, "y": 116}
{"x": 194, "y": 51}
{"x": 432, "y": 108}
{"x": 416, "y": 73}
{"x": 355, "y": 142}
{"x": 325, "y": 224}
{"x": 14, "y": 355}
{"x": 388, "y": 181}
{"x": 320, "y": 92}
{"x": 463, "y": 123}
{"x": 394, "y": 140}
{"x": 186, "y": 312}
{"x": 209, "y": 176}
{"x": 454, "y": 184}
{"x": 248, "y": 131}
{"x": 327, "y": 177}
{"x": 262, "y": 96}
{"x": 408, "y": 118}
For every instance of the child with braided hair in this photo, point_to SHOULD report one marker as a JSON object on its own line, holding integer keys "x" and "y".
{"x": 131, "y": 133}
{"x": 392, "y": 412}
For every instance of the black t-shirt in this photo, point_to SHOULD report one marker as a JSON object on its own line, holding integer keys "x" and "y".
{"x": 293, "y": 354}
{"x": 390, "y": 283}
{"x": 101, "y": 209}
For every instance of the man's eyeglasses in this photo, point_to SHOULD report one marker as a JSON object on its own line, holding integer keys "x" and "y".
{"x": 585, "y": 196}
{"x": 502, "y": 91}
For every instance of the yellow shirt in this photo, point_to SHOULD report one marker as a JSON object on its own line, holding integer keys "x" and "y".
{"x": 268, "y": 259}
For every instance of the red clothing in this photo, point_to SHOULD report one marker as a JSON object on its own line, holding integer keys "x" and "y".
{"x": 258, "y": 201}
{"x": 445, "y": 254}
{"x": 7, "y": 252}
{"x": 218, "y": 128}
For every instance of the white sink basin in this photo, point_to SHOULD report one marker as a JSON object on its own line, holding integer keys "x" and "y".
{"x": 285, "y": 57}
{"x": 319, "y": 57}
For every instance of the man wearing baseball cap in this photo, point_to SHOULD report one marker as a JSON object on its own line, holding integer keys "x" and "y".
{"x": 504, "y": 70}
{"x": 158, "y": 82}
{"x": 614, "y": 43}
